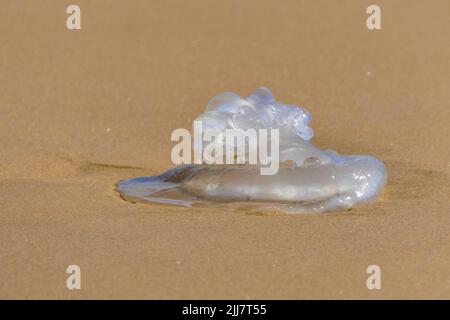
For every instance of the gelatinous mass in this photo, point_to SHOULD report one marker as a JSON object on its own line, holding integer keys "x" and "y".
{"x": 309, "y": 179}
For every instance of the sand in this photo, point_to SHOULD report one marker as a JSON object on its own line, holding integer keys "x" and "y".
{"x": 83, "y": 109}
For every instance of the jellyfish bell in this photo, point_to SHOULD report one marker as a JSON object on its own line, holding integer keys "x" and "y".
{"x": 308, "y": 180}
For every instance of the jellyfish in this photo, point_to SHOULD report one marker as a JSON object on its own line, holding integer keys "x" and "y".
{"x": 308, "y": 179}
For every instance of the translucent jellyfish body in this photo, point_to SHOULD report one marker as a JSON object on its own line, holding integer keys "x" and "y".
{"x": 308, "y": 179}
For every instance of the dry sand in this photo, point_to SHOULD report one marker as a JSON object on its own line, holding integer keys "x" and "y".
{"x": 83, "y": 109}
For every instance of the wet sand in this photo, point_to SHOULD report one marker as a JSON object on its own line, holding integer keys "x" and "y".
{"x": 83, "y": 109}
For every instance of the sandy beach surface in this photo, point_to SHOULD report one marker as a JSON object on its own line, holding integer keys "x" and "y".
{"x": 83, "y": 109}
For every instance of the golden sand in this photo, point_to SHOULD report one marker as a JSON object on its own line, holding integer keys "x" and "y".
{"x": 83, "y": 109}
